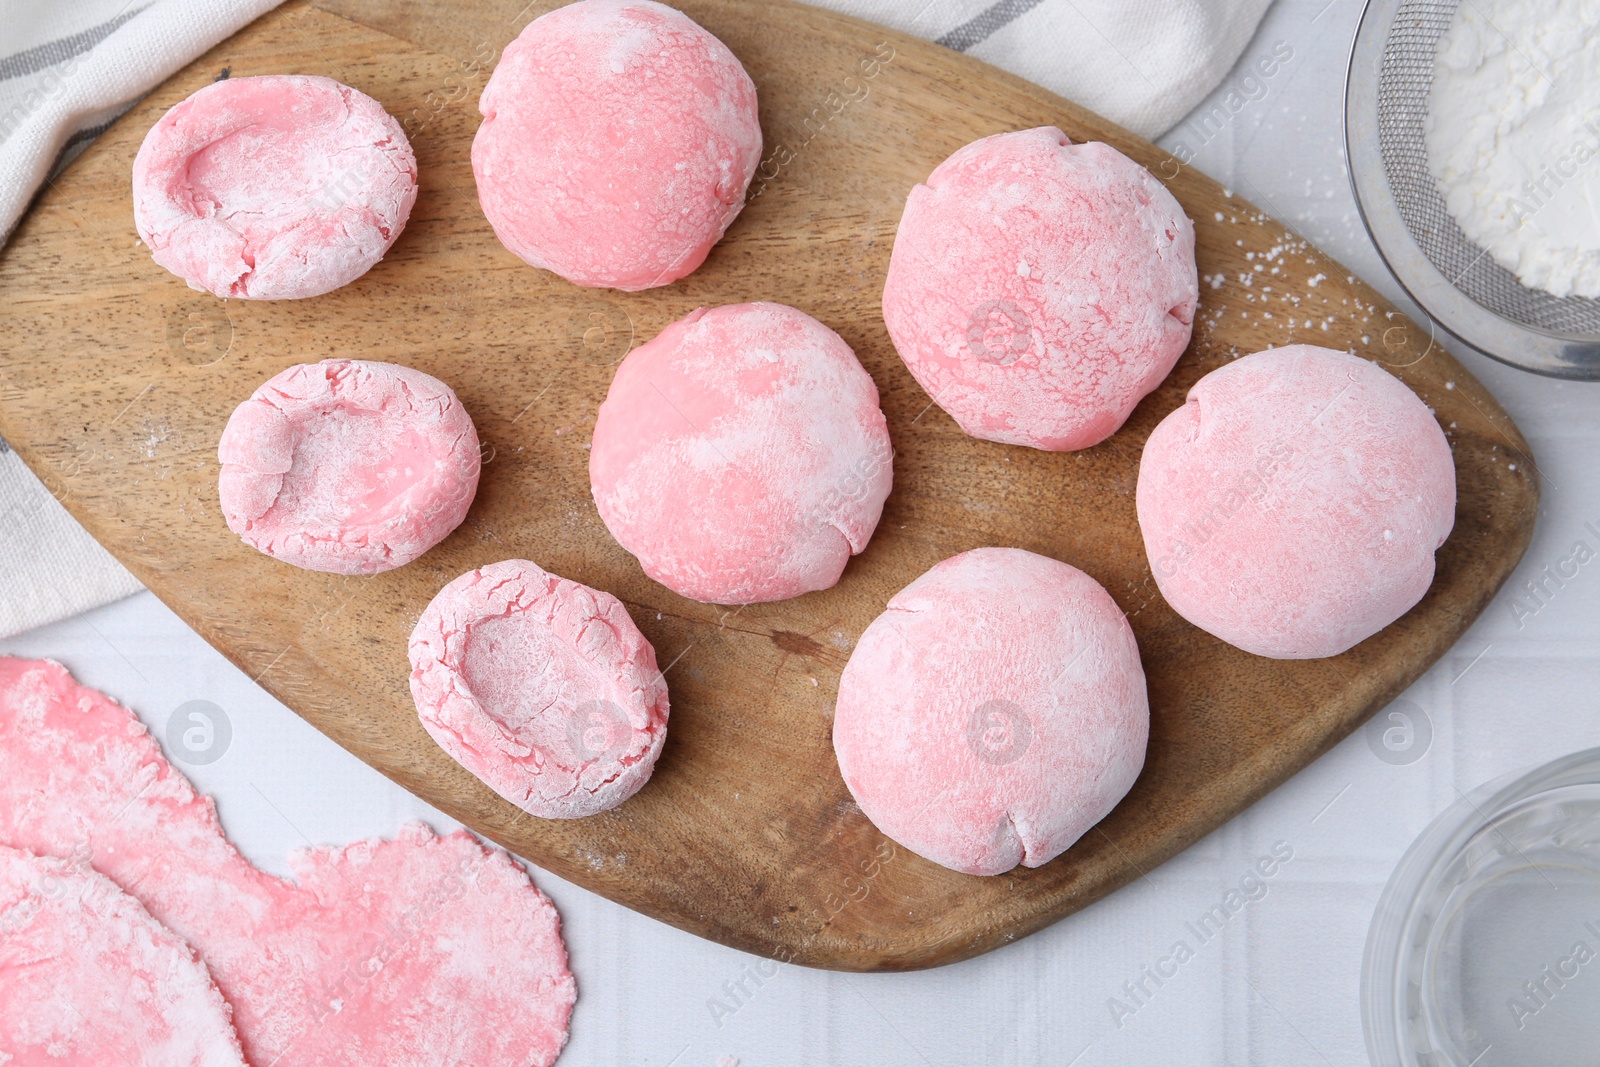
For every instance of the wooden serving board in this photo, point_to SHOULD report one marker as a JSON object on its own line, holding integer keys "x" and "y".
{"x": 115, "y": 381}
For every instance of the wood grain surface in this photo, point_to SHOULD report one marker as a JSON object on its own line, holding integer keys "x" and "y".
{"x": 115, "y": 381}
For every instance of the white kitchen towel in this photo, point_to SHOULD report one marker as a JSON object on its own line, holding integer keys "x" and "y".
{"x": 50, "y": 567}
{"x": 68, "y": 68}
{"x": 1141, "y": 63}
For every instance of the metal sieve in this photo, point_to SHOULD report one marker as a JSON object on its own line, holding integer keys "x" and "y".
{"x": 1457, "y": 283}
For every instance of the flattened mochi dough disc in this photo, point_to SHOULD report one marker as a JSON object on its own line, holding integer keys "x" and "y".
{"x": 348, "y": 466}
{"x": 542, "y": 687}
{"x": 381, "y": 952}
{"x": 274, "y": 187}
{"x": 994, "y": 713}
{"x": 1038, "y": 289}
{"x": 741, "y": 455}
{"x": 617, "y": 143}
{"x": 88, "y": 978}
{"x": 1293, "y": 505}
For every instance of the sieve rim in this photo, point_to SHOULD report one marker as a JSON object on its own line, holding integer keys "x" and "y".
{"x": 1557, "y": 355}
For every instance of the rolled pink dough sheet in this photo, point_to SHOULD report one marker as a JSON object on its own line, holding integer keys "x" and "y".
{"x": 274, "y": 187}
{"x": 1293, "y": 505}
{"x": 414, "y": 952}
{"x": 89, "y": 979}
{"x": 348, "y": 466}
{"x": 994, "y": 713}
{"x": 741, "y": 455}
{"x": 617, "y": 143}
{"x": 1038, "y": 289}
{"x": 542, "y": 687}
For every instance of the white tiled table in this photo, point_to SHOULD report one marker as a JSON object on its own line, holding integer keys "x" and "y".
{"x": 1277, "y": 985}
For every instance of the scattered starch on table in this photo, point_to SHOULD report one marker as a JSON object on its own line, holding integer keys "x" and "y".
{"x": 1519, "y": 174}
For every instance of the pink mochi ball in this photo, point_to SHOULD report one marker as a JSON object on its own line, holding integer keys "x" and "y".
{"x": 617, "y": 143}
{"x": 1293, "y": 505}
{"x": 1038, "y": 289}
{"x": 273, "y": 188}
{"x": 994, "y": 713}
{"x": 741, "y": 455}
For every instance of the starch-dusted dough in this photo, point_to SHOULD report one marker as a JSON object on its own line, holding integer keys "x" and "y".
{"x": 89, "y": 979}
{"x": 618, "y": 139}
{"x": 542, "y": 687}
{"x": 1038, "y": 289}
{"x": 1293, "y": 505}
{"x": 741, "y": 455}
{"x": 994, "y": 713}
{"x": 414, "y": 952}
{"x": 348, "y": 466}
{"x": 274, "y": 187}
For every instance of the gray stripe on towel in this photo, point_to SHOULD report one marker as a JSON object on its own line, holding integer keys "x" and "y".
{"x": 981, "y": 26}
{"x": 32, "y": 60}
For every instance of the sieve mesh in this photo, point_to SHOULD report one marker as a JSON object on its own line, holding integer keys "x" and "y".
{"x": 1404, "y": 80}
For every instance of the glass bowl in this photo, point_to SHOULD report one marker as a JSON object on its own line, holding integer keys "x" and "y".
{"x": 1484, "y": 950}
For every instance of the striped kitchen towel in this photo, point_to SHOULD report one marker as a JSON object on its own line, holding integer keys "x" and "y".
{"x": 1141, "y": 63}
{"x": 68, "y": 68}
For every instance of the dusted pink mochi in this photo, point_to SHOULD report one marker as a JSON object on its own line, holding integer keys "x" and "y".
{"x": 348, "y": 466}
{"x": 618, "y": 139}
{"x": 273, "y": 188}
{"x": 89, "y": 979}
{"x": 994, "y": 713}
{"x": 741, "y": 455}
{"x": 415, "y": 952}
{"x": 542, "y": 687}
{"x": 1039, "y": 289}
{"x": 1293, "y": 505}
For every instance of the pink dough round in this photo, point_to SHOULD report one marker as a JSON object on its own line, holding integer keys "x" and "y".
{"x": 88, "y": 978}
{"x": 1293, "y": 505}
{"x": 1038, "y": 289}
{"x": 994, "y": 713}
{"x": 542, "y": 687}
{"x": 273, "y": 188}
{"x": 618, "y": 139}
{"x": 741, "y": 455}
{"x": 348, "y": 466}
{"x": 372, "y": 954}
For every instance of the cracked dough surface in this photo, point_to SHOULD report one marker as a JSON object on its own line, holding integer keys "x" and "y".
{"x": 381, "y": 952}
{"x": 618, "y": 140}
{"x": 88, "y": 978}
{"x": 741, "y": 455}
{"x": 348, "y": 466}
{"x": 1293, "y": 505}
{"x": 274, "y": 187}
{"x": 542, "y": 687}
{"x": 1038, "y": 289}
{"x": 994, "y": 713}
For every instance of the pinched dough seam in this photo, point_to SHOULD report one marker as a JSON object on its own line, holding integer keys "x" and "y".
{"x": 1007, "y": 825}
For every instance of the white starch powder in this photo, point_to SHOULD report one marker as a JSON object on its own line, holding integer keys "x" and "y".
{"x": 1513, "y": 136}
